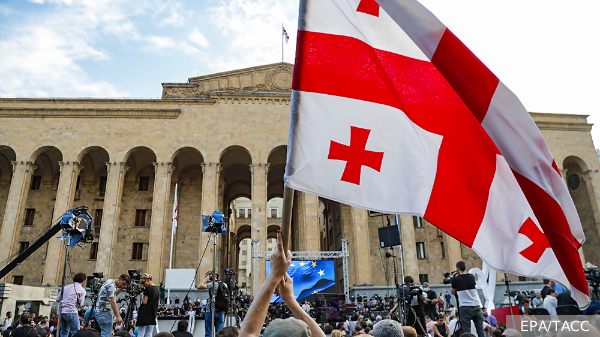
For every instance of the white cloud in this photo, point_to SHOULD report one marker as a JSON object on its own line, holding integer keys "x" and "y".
{"x": 253, "y": 29}
{"x": 163, "y": 42}
{"x": 5, "y": 10}
{"x": 198, "y": 38}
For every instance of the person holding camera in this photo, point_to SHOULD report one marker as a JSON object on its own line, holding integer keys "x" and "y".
{"x": 146, "y": 320}
{"x": 106, "y": 305}
{"x": 212, "y": 284}
{"x": 414, "y": 295}
{"x": 72, "y": 298}
{"x": 467, "y": 299}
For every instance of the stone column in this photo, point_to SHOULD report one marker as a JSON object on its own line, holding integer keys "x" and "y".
{"x": 210, "y": 194}
{"x": 309, "y": 210}
{"x": 15, "y": 204}
{"x": 409, "y": 246}
{"x": 259, "y": 214}
{"x": 160, "y": 214}
{"x": 64, "y": 199}
{"x": 359, "y": 245}
{"x": 110, "y": 217}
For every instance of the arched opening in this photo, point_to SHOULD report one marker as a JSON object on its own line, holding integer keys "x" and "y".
{"x": 90, "y": 190}
{"x": 187, "y": 174}
{"x": 578, "y": 181}
{"x": 38, "y": 213}
{"x": 7, "y": 155}
{"x": 133, "y": 226}
{"x": 243, "y": 265}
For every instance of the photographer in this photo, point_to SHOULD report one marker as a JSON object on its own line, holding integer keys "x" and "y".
{"x": 414, "y": 297}
{"x": 72, "y": 298}
{"x": 212, "y": 284}
{"x": 467, "y": 298}
{"x": 107, "y": 302}
{"x": 429, "y": 307}
{"x": 146, "y": 320}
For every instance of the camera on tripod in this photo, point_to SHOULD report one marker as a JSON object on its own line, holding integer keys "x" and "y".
{"x": 214, "y": 223}
{"x": 95, "y": 284}
{"x": 449, "y": 276}
{"x": 134, "y": 288}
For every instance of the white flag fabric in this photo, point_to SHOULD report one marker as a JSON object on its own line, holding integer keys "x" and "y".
{"x": 392, "y": 113}
{"x": 285, "y": 34}
{"x": 175, "y": 209}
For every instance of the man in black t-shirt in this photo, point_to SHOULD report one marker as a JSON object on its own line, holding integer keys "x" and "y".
{"x": 146, "y": 321}
{"x": 467, "y": 298}
{"x": 430, "y": 303}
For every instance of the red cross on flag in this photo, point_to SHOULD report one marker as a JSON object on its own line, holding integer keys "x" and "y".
{"x": 392, "y": 113}
{"x": 175, "y": 209}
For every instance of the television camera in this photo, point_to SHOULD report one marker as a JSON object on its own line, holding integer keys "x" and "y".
{"x": 95, "y": 284}
{"x": 135, "y": 288}
{"x": 592, "y": 275}
{"x": 214, "y": 223}
{"x": 449, "y": 276}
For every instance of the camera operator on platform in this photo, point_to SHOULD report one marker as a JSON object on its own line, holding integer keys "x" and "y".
{"x": 208, "y": 283}
{"x": 107, "y": 301}
{"x": 414, "y": 297}
{"x": 467, "y": 298}
{"x": 146, "y": 320}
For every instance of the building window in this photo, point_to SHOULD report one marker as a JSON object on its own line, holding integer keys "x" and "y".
{"x": 22, "y": 246}
{"x": 102, "y": 186}
{"x": 421, "y": 250}
{"x": 36, "y": 181}
{"x": 423, "y": 278}
{"x": 249, "y": 213}
{"x": 269, "y": 249}
{"x": 98, "y": 217}
{"x": 18, "y": 280}
{"x": 94, "y": 251}
{"x": 241, "y": 213}
{"x": 243, "y": 263}
{"x": 140, "y": 217}
{"x": 29, "y": 216}
{"x": 522, "y": 279}
{"x": 242, "y": 273}
{"x": 443, "y": 250}
{"x": 244, "y": 252}
{"x": 144, "y": 183}
{"x": 137, "y": 251}
{"x": 243, "y": 284}
{"x": 417, "y": 222}
{"x": 273, "y": 212}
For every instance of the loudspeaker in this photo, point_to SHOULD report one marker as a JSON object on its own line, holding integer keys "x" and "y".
{"x": 389, "y": 236}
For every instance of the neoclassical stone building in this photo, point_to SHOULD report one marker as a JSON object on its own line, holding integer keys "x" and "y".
{"x": 220, "y": 137}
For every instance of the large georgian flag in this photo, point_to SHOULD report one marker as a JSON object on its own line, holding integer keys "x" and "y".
{"x": 392, "y": 113}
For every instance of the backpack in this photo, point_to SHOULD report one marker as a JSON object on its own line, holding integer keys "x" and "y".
{"x": 222, "y": 298}
{"x": 458, "y": 330}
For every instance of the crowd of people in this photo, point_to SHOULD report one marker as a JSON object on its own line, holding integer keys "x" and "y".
{"x": 424, "y": 312}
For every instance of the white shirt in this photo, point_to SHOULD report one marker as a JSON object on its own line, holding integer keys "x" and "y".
{"x": 550, "y": 304}
{"x": 7, "y": 323}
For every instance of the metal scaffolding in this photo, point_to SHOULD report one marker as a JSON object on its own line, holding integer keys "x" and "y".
{"x": 343, "y": 254}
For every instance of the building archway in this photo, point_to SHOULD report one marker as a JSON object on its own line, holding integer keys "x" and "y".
{"x": 7, "y": 155}
{"x": 90, "y": 190}
{"x": 579, "y": 184}
{"x": 187, "y": 174}
{"x": 38, "y": 213}
{"x": 130, "y": 251}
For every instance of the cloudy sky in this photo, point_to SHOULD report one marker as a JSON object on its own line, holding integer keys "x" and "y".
{"x": 546, "y": 51}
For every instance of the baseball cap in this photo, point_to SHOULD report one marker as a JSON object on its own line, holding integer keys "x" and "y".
{"x": 286, "y": 328}
{"x": 425, "y": 284}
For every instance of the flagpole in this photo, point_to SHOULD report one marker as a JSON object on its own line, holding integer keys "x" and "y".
{"x": 171, "y": 253}
{"x": 286, "y": 216}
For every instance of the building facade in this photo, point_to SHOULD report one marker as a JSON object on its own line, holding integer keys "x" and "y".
{"x": 222, "y": 138}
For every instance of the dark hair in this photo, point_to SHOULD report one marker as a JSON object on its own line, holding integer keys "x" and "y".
{"x": 229, "y": 331}
{"x": 182, "y": 325}
{"x": 328, "y": 329}
{"x": 162, "y": 334}
{"x": 546, "y": 281}
{"x": 42, "y": 332}
{"x": 367, "y": 330}
{"x": 550, "y": 291}
{"x": 525, "y": 300}
{"x": 497, "y": 333}
{"x": 127, "y": 279}
{"x": 466, "y": 334}
{"x": 528, "y": 312}
{"x": 408, "y": 279}
{"x": 25, "y": 318}
{"x": 364, "y": 324}
{"x": 462, "y": 266}
{"x": 79, "y": 277}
